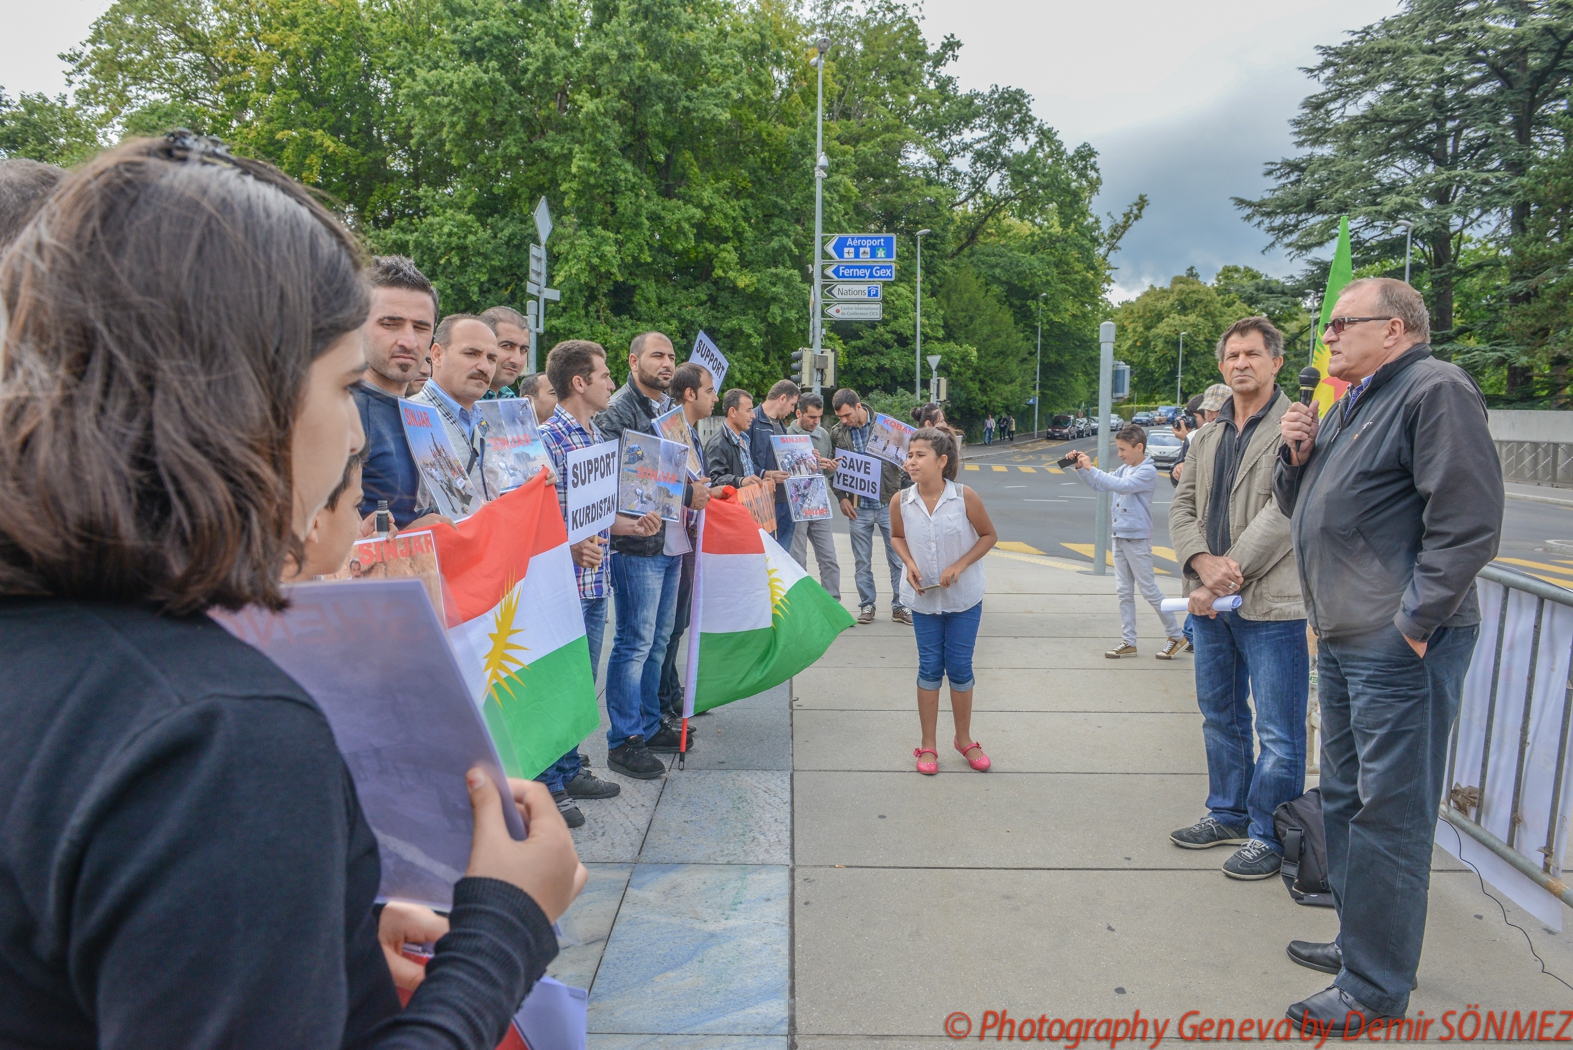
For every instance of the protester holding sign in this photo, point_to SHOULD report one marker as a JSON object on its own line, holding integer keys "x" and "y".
{"x": 464, "y": 359}
{"x": 852, "y": 434}
{"x": 810, "y": 411}
{"x": 728, "y": 460}
{"x": 180, "y": 791}
{"x": 769, "y": 421}
{"x": 694, "y": 397}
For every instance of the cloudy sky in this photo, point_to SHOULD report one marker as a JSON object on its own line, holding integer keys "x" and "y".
{"x": 1183, "y": 101}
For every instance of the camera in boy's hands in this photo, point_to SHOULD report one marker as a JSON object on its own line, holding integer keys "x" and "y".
{"x": 1069, "y": 460}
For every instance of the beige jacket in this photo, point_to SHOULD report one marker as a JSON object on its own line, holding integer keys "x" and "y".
{"x": 1259, "y": 529}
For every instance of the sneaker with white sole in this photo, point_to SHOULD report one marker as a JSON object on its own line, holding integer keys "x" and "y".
{"x": 569, "y": 809}
{"x": 1167, "y": 652}
{"x": 1206, "y": 833}
{"x": 866, "y": 614}
{"x": 1121, "y": 650}
{"x": 901, "y": 616}
{"x": 1255, "y": 860}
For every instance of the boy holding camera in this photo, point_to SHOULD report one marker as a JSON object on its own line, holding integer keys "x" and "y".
{"x": 1132, "y": 484}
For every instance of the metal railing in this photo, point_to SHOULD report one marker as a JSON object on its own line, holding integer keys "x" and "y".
{"x": 1468, "y": 808}
{"x": 1537, "y": 462}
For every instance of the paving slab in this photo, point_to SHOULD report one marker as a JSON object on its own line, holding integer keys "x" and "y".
{"x": 697, "y": 949}
{"x": 614, "y": 828}
{"x": 1017, "y": 741}
{"x": 587, "y": 924}
{"x": 878, "y": 655}
{"x": 754, "y": 733}
{"x": 723, "y": 817}
{"x": 918, "y": 944}
{"x": 1130, "y": 686}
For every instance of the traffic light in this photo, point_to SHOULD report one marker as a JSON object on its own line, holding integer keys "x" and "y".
{"x": 803, "y": 367}
{"x": 941, "y": 389}
{"x": 825, "y": 363}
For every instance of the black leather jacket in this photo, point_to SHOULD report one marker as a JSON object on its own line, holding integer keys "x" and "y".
{"x": 630, "y": 410}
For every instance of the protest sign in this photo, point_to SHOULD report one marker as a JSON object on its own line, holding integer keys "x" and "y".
{"x": 706, "y": 354}
{"x": 808, "y": 498}
{"x": 857, "y": 474}
{"x": 674, "y": 427}
{"x": 447, "y": 477}
{"x": 376, "y": 659}
{"x": 651, "y": 476}
{"x": 515, "y": 452}
{"x": 795, "y": 454}
{"x": 592, "y": 489}
{"x": 411, "y": 555}
{"x": 888, "y": 439}
{"x": 760, "y": 499}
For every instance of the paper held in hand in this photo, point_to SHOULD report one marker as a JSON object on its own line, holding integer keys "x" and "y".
{"x": 592, "y": 489}
{"x": 707, "y": 354}
{"x": 674, "y": 427}
{"x": 651, "y": 476}
{"x": 409, "y": 555}
{"x": 857, "y": 474}
{"x": 445, "y": 475}
{"x": 760, "y": 501}
{"x": 888, "y": 439}
{"x": 515, "y": 452}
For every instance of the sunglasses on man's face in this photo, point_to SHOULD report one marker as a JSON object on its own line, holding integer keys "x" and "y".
{"x": 1338, "y": 324}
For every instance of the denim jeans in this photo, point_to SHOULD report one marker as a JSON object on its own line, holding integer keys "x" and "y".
{"x": 873, "y": 513}
{"x": 644, "y": 593}
{"x": 1386, "y": 716}
{"x": 785, "y": 526}
{"x": 671, "y": 692}
{"x": 1238, "y": 662}
{"x": 945, "y": 644}
{"x": 557, "y": 775}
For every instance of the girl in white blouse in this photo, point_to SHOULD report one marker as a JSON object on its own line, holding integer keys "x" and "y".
{"x": 941, "y": 530}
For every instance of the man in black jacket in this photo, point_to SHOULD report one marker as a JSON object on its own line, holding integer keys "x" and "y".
{"x": 1395, "y": 503}
{"x": 645, "y": 578}
{"x": 770, "y": 420}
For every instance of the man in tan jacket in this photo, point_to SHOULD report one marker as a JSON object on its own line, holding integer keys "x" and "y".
{"x": 1232, "y": 541}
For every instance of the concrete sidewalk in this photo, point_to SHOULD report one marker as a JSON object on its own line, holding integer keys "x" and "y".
{"x": 800, "y": 885}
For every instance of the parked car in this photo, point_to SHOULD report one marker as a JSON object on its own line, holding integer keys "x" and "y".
{"x": 1143, "y": 419}
{"x": 1163, "y": 447}
{"x": 1063, "y": 428}
{"x": 1116, "y": 421}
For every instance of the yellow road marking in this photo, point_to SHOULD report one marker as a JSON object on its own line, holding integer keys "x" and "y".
{"x": 1535, "y": 565}
{"x": 1054, "y": 470}
{"x": 1001, "y": 470}
{"x": 1166, "y": 552}
{"x": 970, "y": 466}
{"x": 1086, "y": 550}
{"x": 1018, "y": 547}
{"x": 1029, "y": 470}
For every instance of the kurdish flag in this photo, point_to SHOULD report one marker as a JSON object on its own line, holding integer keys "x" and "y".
{"x": 516, "y": 626}
{"x": 1342, "y": 272}
{"x": 760, "y": 619}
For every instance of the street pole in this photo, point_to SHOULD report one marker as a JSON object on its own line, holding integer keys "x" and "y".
{"x": 1100, "y": 547}
{"x": 1409, "y": 235}
{"x": 917, "y": 357}
{"x": 816, "y": 322}
{"x": 1037, "y": 372}
{"x": 1179, "y": 373}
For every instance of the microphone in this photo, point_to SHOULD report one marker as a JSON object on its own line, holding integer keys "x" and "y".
{"x": 1310, "y": 379}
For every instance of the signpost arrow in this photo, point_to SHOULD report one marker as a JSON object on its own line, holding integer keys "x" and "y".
{"x": 861, "y": 246}
{"x": 855, "y": 311}
{"x": 855, "y": 292}
{"x": 861, "y": 271}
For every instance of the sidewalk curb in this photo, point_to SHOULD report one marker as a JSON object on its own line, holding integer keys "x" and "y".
{"x": 1540, "y": 499}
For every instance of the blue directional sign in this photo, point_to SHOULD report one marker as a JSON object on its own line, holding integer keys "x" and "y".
{"x": 846, "y": 271}
{"x": 861, "y": 246}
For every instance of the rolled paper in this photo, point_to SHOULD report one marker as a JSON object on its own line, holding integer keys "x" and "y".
{"x": 1226, "y": 604}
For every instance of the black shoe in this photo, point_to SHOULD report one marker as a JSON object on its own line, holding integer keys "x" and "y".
{"x": 1208, "y": 832}
{"x": 667, "y": 738}
{"x": 1332, "y": 1007}
{"x": 570, "y": 812}
{"x": 588, "y": 785}
{"x": 1327, "y": 957}
{"x": 633, "y": 759}
{"x": 1254, "y": 860}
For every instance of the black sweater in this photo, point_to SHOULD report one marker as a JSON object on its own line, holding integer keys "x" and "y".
{"x": 184, "y": 862}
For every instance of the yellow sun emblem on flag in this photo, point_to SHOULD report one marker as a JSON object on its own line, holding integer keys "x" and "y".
{"x": 501, "y": 662}
{"x": 778, "y": 602}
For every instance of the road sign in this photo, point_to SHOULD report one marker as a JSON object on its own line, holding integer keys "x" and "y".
{"x": 855, "y": 311}
{"x": 861, "y": 271}
{"x": 861, "y": 246}
{"x": 537, "y": 264}
{"x": 543, "y": 220}
{"x": 933, "y": 360}
{"x": 854, "y": 292}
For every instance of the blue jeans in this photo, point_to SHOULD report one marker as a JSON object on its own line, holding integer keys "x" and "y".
{"x": 1237, "y": 661}
{"x": 557, "y": 775}
{"x": 945, "y": 644}
{"x": 1386, "y": 716}
{"x": 873, "y": 513}
{"x": 644, "y": 593}
{"x": 785, "y": 526}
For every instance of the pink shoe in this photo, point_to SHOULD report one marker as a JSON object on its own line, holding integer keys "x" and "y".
{"x": 928, "y": 769}
{"x": 981, "y": 762}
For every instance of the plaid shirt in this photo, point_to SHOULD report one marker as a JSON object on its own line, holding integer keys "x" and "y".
{"x": 562, "y": 434}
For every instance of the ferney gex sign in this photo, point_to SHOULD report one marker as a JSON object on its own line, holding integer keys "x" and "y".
{"x": 592, "y": 489}
{"x": 857, "y": 474}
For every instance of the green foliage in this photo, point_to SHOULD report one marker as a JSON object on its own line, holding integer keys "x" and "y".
{"x": 40, "y": 128}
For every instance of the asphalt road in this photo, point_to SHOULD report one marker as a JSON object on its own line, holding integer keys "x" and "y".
{"x": 1038, "y": 508}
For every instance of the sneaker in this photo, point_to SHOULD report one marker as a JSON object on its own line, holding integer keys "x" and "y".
{"x": 588, "y": 785}
{"x": 566, "y": 807}
{"x": 866, "y": 614}
{"x": 902, "y": 616}
{"x": 1256, "y": 860}
{"x": 633, "y": 759}
{"x": 1208, "y": 832}
{"x": 667, "y": 738}
{"x": 1190, "y": 647}
{"x": 1167, "y": 652}
{"x": 1121, "y": 650}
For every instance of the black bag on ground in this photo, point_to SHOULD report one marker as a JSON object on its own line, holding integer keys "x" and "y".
{"x": 1299, "y": 826}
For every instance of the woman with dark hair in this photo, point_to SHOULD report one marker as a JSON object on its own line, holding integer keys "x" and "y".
{"x": 932, "y": 415}
{"x": 183, "y": 860}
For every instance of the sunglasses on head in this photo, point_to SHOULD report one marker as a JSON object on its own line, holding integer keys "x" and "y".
{"x": 1338, "y": 324}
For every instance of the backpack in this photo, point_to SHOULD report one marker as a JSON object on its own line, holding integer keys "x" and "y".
{"x": 1299, "y": 826}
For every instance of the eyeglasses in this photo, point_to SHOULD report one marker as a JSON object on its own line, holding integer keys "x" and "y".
{"x": 1338, "y": 324}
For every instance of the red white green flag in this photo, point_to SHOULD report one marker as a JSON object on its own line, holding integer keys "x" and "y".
{"x": 759, "y": 618}
{"x": 516, "y": 627}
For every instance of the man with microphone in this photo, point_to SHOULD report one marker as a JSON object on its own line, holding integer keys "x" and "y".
{"x": 1395, "y": 503}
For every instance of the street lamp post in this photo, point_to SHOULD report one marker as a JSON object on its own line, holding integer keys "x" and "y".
{"x": 1409, "y": 235}
{"x": 1037, "y": 372}
{"x": 917, "y": 357}
{"x": 816, "y": 322}
{"x": 1179, "y": 372}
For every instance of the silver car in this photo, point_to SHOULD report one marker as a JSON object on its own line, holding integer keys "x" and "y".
{"x": 1163, "y": 447}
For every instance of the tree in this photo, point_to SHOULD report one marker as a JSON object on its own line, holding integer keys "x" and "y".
{"x": 40, "y": 128}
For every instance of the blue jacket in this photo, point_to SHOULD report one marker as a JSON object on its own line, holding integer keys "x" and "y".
{"x": 760, "y": 448}
{"x": 390, "y": 472}
{"x": 1132, "y": 488}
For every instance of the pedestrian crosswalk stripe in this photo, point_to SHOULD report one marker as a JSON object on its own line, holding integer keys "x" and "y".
{"x": 970, "y": 466}
{"x": 1018, "y": 547}
{"x": 1054, "y": 470}
{"x": 1536, "y": 565}
{"x": 1001, "y": 469}
{"x": 1029, "y": 470}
